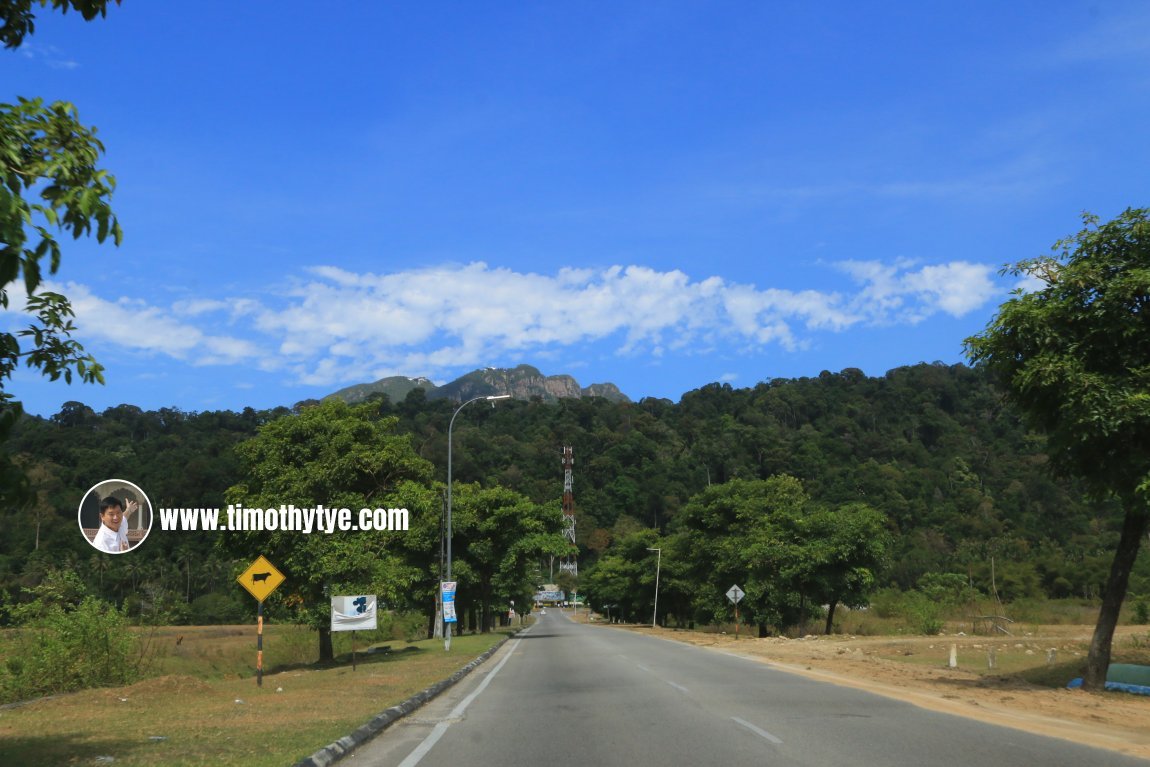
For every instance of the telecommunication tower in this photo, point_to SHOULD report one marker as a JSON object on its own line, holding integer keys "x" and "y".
{"x": 569, "y": 563}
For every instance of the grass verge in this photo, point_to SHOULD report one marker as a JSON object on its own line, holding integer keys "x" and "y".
{"x": 181, "y": 720}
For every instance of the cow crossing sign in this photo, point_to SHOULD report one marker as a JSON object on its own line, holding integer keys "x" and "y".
{"x": 261, "y": 578}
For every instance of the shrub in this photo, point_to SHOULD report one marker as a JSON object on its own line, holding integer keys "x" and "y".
{"x": 67, "y": 641}
{"x": 887, "y": 603}
{"x": 922, "y": 614}
{"x": 948, "y": 589}
{"x": 64, "y": 650}
{"x": 1142, "y": 611}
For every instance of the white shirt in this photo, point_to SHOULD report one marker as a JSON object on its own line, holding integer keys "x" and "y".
{"x": 109, "y": 540}
{"x": 123, "y": 533}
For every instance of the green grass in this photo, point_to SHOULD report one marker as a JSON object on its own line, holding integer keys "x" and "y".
{"x": 189, "y": 714}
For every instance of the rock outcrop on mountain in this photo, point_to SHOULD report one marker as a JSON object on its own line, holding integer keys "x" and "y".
{"x": 521, "y": 382}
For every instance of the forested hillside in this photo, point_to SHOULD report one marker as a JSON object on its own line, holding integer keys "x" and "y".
{"x": 960, "y": 482}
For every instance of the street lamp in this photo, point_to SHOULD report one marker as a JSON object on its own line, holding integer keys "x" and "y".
{"x": 658, "y": 563}
{"x": 450, "y": 426}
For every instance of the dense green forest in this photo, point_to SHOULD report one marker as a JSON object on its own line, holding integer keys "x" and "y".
{"x": 959, "y": 485}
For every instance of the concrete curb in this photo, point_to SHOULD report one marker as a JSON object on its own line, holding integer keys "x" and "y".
{"x": 333, "y": 752}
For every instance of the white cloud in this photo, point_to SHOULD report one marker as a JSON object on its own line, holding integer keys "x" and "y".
{"x": 895, "y": 293}
{"x": 335, "y": 326}
{"x": 49, "y": 54}
{"x": 197, "y": 306}
{"x": 133, "y": 324}
{"x": 1029, "y": 283}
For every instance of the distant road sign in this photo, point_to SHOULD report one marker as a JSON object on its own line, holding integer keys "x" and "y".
{"x": 261, "y": 578}
{"x": 735, "y": 594}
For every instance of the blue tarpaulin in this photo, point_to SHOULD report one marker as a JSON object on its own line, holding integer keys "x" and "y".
{"x": 1123, "y": 677}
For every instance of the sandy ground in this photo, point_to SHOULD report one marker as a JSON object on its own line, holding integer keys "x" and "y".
{"x": 917, "y": 670}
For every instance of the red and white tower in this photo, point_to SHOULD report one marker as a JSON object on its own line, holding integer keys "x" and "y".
{"x": 569, "y": 563}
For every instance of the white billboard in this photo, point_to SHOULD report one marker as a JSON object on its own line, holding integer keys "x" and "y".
{"x": 355, "y": 613}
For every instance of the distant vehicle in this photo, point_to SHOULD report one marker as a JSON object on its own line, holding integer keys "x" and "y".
{"x": 543, "y": 611}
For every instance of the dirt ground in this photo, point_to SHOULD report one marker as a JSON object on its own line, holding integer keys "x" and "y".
{"x": 917, "y": 670}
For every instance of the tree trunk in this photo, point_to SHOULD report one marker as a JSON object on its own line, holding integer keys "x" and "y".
{"x": 1098, "y": 660}
{"x": 485, "y": 592}
{"x": 831, "y": 616}
{"x": 326, "y": 651}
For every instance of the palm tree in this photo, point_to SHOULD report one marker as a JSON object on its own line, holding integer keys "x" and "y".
{"x": 212, "y": 569}
{"x": 186, "y": 555}
{"x": 135, "y": 571}
{"x": 98, "y": 564}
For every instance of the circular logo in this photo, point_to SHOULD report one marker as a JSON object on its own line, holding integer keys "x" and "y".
{"x": 115, "y": 516}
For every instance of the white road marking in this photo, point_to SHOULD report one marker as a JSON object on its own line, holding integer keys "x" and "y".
{"x": 757, "y": 730}
{"x": 456, "y": 713}
{"x": 678, "y": 687}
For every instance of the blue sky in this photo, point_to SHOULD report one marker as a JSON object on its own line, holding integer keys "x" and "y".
{"x": 660, "y": 195}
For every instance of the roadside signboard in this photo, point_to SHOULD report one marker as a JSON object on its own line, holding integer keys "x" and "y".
{"x": 447, "y": 588}
{"x": 352, "y": 614}
{"x": 355, "y": 613}
{"x": 261, "y": 578}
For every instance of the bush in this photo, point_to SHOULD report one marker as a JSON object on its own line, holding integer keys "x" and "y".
{"x": 948, "y": 589}
{"x": 922, "y": 614}
{"x": 917, "y": 611}
{"x": 1142, "y": 611}
{"x": 64, "y": 650}
{"x": 887, "y": 603}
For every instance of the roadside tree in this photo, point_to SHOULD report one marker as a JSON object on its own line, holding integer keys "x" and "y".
{"x": 1072, "y": 352}
{"x": 790, "y": 555}
{"x": 497, "y": 535}
{"x": 336, "y": 456}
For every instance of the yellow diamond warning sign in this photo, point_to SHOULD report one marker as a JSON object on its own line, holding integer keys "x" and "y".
{"x": 261, "y": 578}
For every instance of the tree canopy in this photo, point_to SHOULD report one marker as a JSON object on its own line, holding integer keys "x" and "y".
{"x": 338, "y": 457}
{"x": 788, "y": 554}
{"x": 49, "y": 182}
{"x": 1072, "y": 352}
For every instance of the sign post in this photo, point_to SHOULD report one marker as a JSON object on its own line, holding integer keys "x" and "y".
{"x": 736, "y": 594}
{"x": 260, "y": 579}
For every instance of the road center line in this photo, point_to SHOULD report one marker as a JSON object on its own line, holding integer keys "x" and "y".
{"x": 757, "y": 730}
{"x": 423, "y": 748}
{"x": 678, "y": 687}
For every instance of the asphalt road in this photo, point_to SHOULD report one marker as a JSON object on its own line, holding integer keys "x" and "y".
{"x": 565, "y": 693}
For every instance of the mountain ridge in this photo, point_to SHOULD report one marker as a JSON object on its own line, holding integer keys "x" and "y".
{"x": 521, "y": 382}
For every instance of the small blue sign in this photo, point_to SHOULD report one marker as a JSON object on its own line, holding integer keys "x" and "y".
{"x": 447, "y": 589}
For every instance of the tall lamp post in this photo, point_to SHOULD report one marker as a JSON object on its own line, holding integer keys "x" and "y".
{"x": 450, "y": 426}
{"x": 658, "y": 564}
